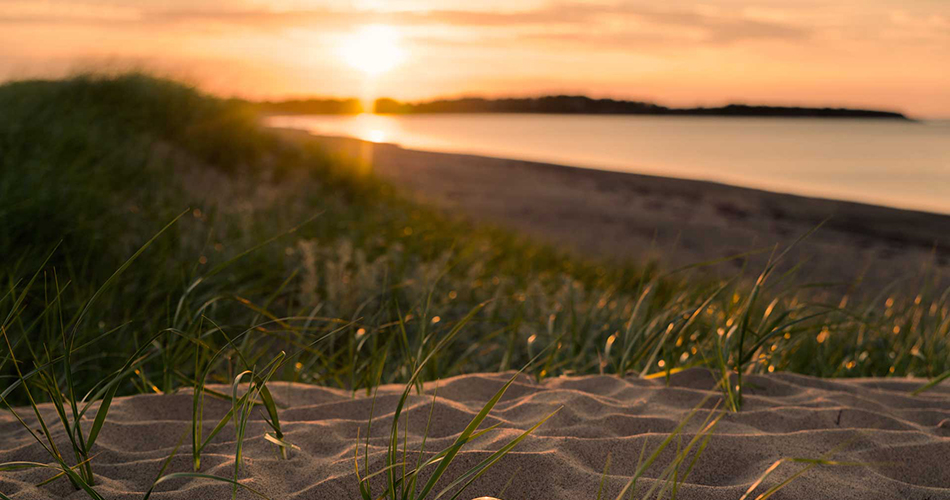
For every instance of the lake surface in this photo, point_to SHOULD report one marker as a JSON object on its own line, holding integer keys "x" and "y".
{"x": 884, "y": 162}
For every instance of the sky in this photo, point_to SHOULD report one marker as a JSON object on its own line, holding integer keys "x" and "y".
{"x": 887, "y": 54}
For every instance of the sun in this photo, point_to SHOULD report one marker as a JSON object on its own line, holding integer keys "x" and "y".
{"x": 373, "y": 49}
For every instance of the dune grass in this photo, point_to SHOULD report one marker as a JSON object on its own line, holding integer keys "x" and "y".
{"x": 680, "y": 466}
{"x": 405, "y": 485}
{"x": 285, "y": 249}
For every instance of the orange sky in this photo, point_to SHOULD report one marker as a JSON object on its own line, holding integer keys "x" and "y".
{"x": 892, "y": 54}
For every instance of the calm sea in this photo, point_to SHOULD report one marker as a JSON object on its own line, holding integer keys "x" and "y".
{"x": 884, "y": 162}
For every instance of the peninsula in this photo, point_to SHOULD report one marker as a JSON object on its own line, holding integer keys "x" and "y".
{"x": 573, "y": 104}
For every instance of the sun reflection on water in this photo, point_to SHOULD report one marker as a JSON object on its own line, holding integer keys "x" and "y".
{"x": 375, "y": 136}
{"x": 373, "y": 128}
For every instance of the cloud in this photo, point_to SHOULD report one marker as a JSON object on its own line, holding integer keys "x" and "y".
{"x": 591, "y": 23}
{"x": 722, "y": 28}
{"x": 585, "y": 24}
{"x": 19, "y": 11}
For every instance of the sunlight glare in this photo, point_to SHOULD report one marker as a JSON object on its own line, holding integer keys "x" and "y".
{"x": 373, "y": 49}
{"x": 373, "y": 128}
{"x": 376, "y": 136}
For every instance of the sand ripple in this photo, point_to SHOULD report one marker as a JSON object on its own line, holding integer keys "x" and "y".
{"x": 907, "y": 438}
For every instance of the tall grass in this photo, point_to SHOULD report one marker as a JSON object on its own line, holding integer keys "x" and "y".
{"x": 403, "y": 486}
{"x": 680, "y": 466}
{"x": 44, "y": 377}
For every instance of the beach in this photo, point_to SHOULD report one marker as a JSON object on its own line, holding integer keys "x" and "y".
{"x": 899, "y": 440}
{"x": 674, "y": 222}
{"x": 348, "y": 310}
{"x": 496, "y": 250}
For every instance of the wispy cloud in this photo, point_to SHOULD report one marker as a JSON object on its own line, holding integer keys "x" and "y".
{"x": 597, "y": 24}
{"x": 584, "y": 18}
{"x": 19, "y": 11}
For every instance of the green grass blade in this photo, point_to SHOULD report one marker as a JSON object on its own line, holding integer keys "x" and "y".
{"x": 930, "y": 385}
{"x": 472, "y": 426}
{"x": 117, "y": 273}
{"x": 178, "y": 475}
{"x": 484, "y": 465}
{"x": 603, "y": 478}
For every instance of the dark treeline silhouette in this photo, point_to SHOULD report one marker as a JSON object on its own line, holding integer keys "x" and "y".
{"x": 560, "y": 104}
{"x": 585, "y": 105}
{"x": 310, "y": 107}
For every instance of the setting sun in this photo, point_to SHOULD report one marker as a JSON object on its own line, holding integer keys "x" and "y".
{"x": 373, "y": 49}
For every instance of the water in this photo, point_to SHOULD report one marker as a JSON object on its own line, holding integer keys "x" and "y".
{"x": 884, "y": 162}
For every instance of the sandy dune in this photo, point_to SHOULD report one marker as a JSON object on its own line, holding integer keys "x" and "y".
{"x": 785, "y": 415}
{"x": 675, "y": 221}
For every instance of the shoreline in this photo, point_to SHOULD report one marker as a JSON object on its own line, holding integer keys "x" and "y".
{"x": 675, "y": 222}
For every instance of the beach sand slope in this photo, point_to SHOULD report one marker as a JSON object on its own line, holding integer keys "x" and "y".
{"x": 676, "y": 222}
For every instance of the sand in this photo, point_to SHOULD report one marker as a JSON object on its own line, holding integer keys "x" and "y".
{"x": 906, "y": 438}
{"x": 673, "y": 221}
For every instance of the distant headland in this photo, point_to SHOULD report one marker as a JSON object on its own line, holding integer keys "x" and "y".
{"x": 310, "y": 107}
{"x": 559, "y": 104}
{"x": 567, "y": 104}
